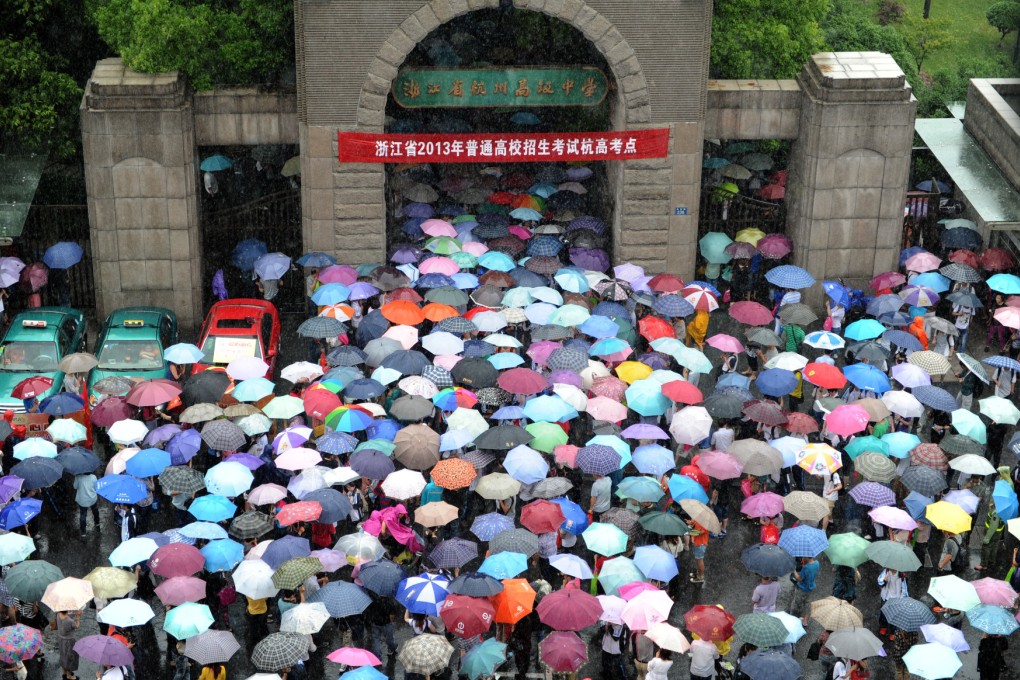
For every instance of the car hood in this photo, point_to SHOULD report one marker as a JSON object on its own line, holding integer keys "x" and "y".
{"x": 10, "y": 379}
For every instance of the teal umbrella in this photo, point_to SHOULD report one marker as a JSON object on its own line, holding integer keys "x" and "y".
{"x": 969, "y": 424}
{"x": 27, "y": 581}
{"x": 483, "y": 659}
{"x": 188, "y": 620}
{"x": 605, "y": 539}
{"x": 713, "y": 247}
{"x": 617, "y": 572}
{"x": 15, "y": 548}
{"x": 641, "y": 489}
{"x": 645, "y": 397}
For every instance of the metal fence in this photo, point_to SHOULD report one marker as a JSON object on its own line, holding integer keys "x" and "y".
{"x": 44, "y": 226}
{"x": 739, "y": 212}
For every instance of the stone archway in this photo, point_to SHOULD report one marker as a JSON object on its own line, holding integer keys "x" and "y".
{"x": 622, "y": 60}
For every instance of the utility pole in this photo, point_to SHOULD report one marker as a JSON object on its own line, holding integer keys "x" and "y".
{"x": 927, "y": 8}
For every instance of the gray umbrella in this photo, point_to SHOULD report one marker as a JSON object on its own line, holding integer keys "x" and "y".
{"x": 382, "y": 577}
{"x": 447, "y": 295}
{"x": 321, "y": 327}
{"x": 797, "y": 313}
{"x": 475, "y": 373}
{"x": 974, "y": 366}
{"x": 406, "y": 362}
{"x": 551, "y": 487}
{"x": 924, "y": 480}
{"x": 907, "y": 613}
{"x": 959, "y": 444}
{"x": 763, "y": 336}
{"x": 503, "y": 438}
{"x": 341, "y": 599}
{"x": 250, "y": 524}
{"x": 453, "y": 553}
{"x": 756, "y": 162}
{"x": 411, "y": 408}
{"x": 377, "y": 350}
{"x": 474, "y": 584}
{"x": 550, "y": 332}
{"x": 457, "y": 325}
{"x": 335, "y": 505}
{"x": 223, "y": 435}
{"x": 488, "y": 296}
{"x": 724, "y": 405}
{"x": 514, "y": 540}
{"x": 871, "y": 351}
{"x": 371, "y": 464}
{"x": 212, "y": 646}
{"x": 567, "y": 359}
{"x": 346, "y": 355}
{"x": 279, "y": 650}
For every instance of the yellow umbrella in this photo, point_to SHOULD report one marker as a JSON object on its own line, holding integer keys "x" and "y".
{"x": 108, "y": 582}
{"x": 751, "y": 235}
{"x": 948, "y": 517}
{"x": 68, "y": 594}
{"x": 632, "y": 371}
{"x": 436, "y": 514}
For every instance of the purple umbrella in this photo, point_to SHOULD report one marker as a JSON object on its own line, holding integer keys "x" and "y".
{"x": 565, "y": 378}
{"x": 10, "y": 485}
{"x": 104, "y": 650}
{"x": 405, "y": 254}
{"x": 361, "y": 290}
{"x": 418, "y": 210}
{"x": 594, "y": 259}
{"x": 644, "y": 431}
{"x": 286, "y": 548}
{"x": 182, "y": 447}
{"x": 249, "y": 461}
{"x": 873, "y": 494}
{"x": 161, "y": 434}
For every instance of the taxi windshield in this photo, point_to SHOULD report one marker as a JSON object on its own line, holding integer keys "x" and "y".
{"x": 220, "y": 350}
{"x": 39, "y": 356}
{"x": 135, "y": 355}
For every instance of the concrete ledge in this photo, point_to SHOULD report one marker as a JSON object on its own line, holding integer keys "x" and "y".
{"x": 994, "y": 123}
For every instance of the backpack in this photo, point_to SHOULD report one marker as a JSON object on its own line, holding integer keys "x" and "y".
{"x": 962, "y": 558}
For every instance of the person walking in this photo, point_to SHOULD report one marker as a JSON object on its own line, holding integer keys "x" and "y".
{"x": 658, "y": 667}
{"x": 86, "y": 498}
{"x": 67, "y": 624}
{"x": 901, "y": 643}
{"x": 804, "y": 584}
{"x": 991, "y": 656}
{"x": 765, "y": 594}
{"x": 703, "y": 655}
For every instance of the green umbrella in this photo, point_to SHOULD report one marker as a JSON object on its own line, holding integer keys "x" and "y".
{"x": 465, "y": 260}
{"x": 664, "y": 524}
{"x": 893, "y": 555}
{"x": 27, "y": 581}
{"x": 605, "y": 539}
{"x": 969, "y": 424}
{"x": 383, "y": 445}
{"x": 443, "y": 245}
{"x": 570, "y": 315}
{"x": 864, "y": 444}
{"x": 547, "y": 436}
{"x": 1000, "y": 410}
{"x": 447, "y": 295}
{"x": 483, "y": 659}
{"x": 952, "y": 592}
{"x": 284, "y": 407}
{"x": 695, "y": 360}
{"x": 295, "y": 571}
{"x": 848, "y": 550}
{"x": 761, "y": 630}
{"x": 713, "y": 246}
{"x": 617, "y": 572}
{"x": 875, "y": 467}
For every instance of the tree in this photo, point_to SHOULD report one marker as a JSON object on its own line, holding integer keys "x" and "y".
{"x": 1004, "y": 17}
{"x": 754, "y": 39}
{"x": 212, "y": 42}
{"x": 925, "y": 36}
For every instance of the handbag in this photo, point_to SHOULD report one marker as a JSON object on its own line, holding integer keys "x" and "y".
{"x": 814, "y": 650}
{"x": 827, "y": 324}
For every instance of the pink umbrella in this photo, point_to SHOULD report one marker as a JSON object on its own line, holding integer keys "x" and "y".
{"x": 766, "y": 504}
{"x": 569, "y": 609}
{"x": 923, "y": 262}
{"x": 726, "y": 343}
{"x": 887, "y": 280}
{"x": 267, "y": 494}
{"x": 436, "y": 227}
{"x": 332, "y": 560}
{"x": 995, "y": 592}
{"x": 719, "y": 465}
{"x": 774, "y": 246}
{"x": 476, "y": 249}
{"x": 628, "y": 272}
{"x": 181, "y": 589}
{"x": 647, "y": 609}
{"x": 751, "y": 313}
{"x": 407, "y": 336}
{"x": 519, "y": 231}
{"x": 540, "y": 351}
{"x": 298, "y": 458}
{"x": 446, "y": 361}
{"x": 609, "y": 386}
{"x": 176, "y": 559}
{"x": 302, "y": 511}
{"x": 338, "y": 273}
{"x": 353, "y": 656}
{"x": 566, "y": 454}
{"x": 631, "y": 590}
{"x": 439, "y": 265}
{"x": 153, "y": 392}
{"x": 522, "y": 380}
{"x": 604, "y": 408}
{"x": 612, "y": 608}
{"x": 847, "y": 419}
{"x": 564, "y": 652}
{"x": 894, "y": 518}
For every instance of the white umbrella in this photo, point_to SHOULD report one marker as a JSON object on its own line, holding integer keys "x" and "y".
{"x": 668, "y": 637}
{"x": 791, "y": 361}
{"x": 572, "y": 565}
{"x": 301, "y": 370}
{"x": 126, "y": 613}
{"x": 254, "y": 578}
{"x": 404, "y": 484}
{"x": 972, "y": 464}
{"x": 306, "y": 618}
{"x": 467, "y": 419}
{"x": 127, "y": 431}
{"x": 903, "y": 404}
{"x": 442, "y": 342}
{"x": 572, "y": 395}
{"x": 690, "y": 425}
{"x": 793, "y": 626}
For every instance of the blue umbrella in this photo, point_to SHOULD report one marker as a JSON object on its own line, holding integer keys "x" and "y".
{"x": 682, "y": 486}
{"x": 78, "y": 461}
{"x": 549, "y": 409}
{"x": 62, "y": 255}
{"x": 599, "y": 327}
{"x": 504, "y": 565}
{"x": 19, "y": 513}
{"x": 864, "y": 329}
{"x": 183, "y": 447}
{"x": 653, "y": 459}
{"x": 148, "y": 463}
{"x": 837, "y": 293}
{"x": 222, "y": 555}
{"x": 772, "y": 664}
{"x": 423, "y": 594}
{"x": 331, "y": 294}
{"x": 992, "y": 620}
{"x": 900, "y": 443}
{"x": 935, "y": 397}
{"x": 867, "y": 377}
{"x": 246, "y": 252}
{"x": 212, "y": 508}
{"x": 183, "y": 353}
{"x": 933, "y": 280}
{"x": 576, "y": 517}
{"x": 926, "y": 185}
{"x": 1002, "y": 362}
{"x": 884, "y": 304}
{"x": 61, "y": 404}
{"x": 382, "y": 577}
{"x": 789, "y": 276}
{"x": 916, "y": 504}
{"x": 734, "y": 379}
{"x": 316, "y": 260}
{"x": 655, "y": 563}
{"x": 908, "y": 253}
{"x": 1005, "y": 500}
{"x": 903, "y": 339}
{"x": 253, "y": 389}
{"x": 1008, "y": 284}
{"x": 642, "y": 489}
{"x": 505, "y": 360}
{"x": 216, "y": 163}
{"x": 803, "y": 541}
{"x": 369, "y": 673}
{"x": 383, "y": 429}
{"x": 485, "y": 527}
{"x": 286, "y": 548}
{"x": 480, "y": 661}
{"x": 776, "y": 382}
{"x": 204, "y": 530}
{"x": 121, "y": 489}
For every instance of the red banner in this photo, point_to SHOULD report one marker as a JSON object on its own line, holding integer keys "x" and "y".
{"x": 362, "y": 147}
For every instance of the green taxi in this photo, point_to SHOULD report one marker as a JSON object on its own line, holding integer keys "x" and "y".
{"x": 34, "y": 344}
{"x": 131, "y": 345}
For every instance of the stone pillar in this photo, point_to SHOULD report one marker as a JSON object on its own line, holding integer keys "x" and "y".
{"x": 850, "y": 166}
{"x": 141, "y": 177}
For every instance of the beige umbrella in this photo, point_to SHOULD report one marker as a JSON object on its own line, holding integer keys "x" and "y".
{"x": 702, "y": 514}
{"x": 806, "y": 506}
{"x": 79, "y": 362}
{"x": 200, "y": 413}
{"x": 109, "y": 582}
{"x": 757, "y": 457}
{"x": 68, "y": 594}
{"x": 876, "y": 408}
{"x": 417, "y": 447}
{"x": 930, "y": 362}
{"x": 736, "y": 171}
{"x": 668, "y": 637}
{"x": 291, "y": 167}
{"x": 834, "y": 614}
{"x": 240, "y": 410}
{"x": 875, "y": 467}
{"x": 497, "y": 486}
{"x": 436, "y": 514}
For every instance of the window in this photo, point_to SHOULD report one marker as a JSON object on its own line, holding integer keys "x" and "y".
{"x": 37, "y": 356}
{"x": 135, "y": 355}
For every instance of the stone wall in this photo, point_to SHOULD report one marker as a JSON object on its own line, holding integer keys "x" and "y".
{"x": 245, "y": 116}
{"x": 753, "y": 109}
{"x": 140, "y": 173}
{"x": 994, "y": 123}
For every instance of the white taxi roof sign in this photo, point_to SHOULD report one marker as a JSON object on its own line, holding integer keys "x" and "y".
{"x": 33, "y": 323}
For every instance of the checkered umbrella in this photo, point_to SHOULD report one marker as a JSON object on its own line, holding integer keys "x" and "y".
{"x": 341, "y": 598}
{"x": 212, "y": 646}
{"x": 567, "y": 359}
{"x": 598, "y": 459}
{"x": 425, "y": 654}
{"x": 382, "y": 577}
{"x": 223, "y": 435}
{"x": 183, "y": 480}
{"x": 626, "y": 520}
{"x": 958, "y": 445}
{"x": 551, "y": 487}
{"x": 292, "y": 573}
{"x": 321, "y": 327}
{"x": 932, "y": 363}
{"x": 924, "y": 480}
{"x": 797, "y": 313}
{"x": 345, "y": 355}
{"x": 789, "y": 276}
{"x": 545, "y": 245}
{"x": 803, "y": 541}
{"x": 907, "y": 614}
{"x": 514, "y": 540}
{"x": 672, "y": 305}
{"x": 760, "y": 630}
{"x": 250, "y": 524}
{"x": 764, "y": 411}
{"x": 457, "y": 325}
{"x": 278, "y": 651}
{"x": 935, "y": 397}
{"x": 873, "y": 494}
{"x": 453, "y": 553}
{"x": 961, "y": 272}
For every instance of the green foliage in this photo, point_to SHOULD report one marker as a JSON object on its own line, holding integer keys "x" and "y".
{"x": 889, "y": 12}
{"x": 1004, "y": 17}
{"x": 212, "y": 42}
{"x": 754, "y": 39}
{"x": 925, "y": 36}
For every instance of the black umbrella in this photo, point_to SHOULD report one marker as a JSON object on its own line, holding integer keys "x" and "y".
{"x": 335, "y": 505}
{"x": 475, "y": 373}
{"x": 503, "y": 438}
{"x": 907, "y": 614}
{"x": 207, "y": 387}
{"x": 411, "y": 408}
{"x": 371, "y": 464}
{"x": 38, "y": 472}
{"x": 345, "y": 355}
{"x": 528, "y": 279}
{"x": 768, "y": 560}
{"x": 364, "y": 388}
{"x": 251, "y": 524}
{"x": 407, "y": 362}
{"x": 770, "y": 664}
{"x": 724, "y": 405}
{"x": 474, "y": 584}
{"x": 78, "y": 461}
{"x": 372, "y": 326}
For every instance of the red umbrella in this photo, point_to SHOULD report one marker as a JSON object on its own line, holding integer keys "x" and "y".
{"x": 701, "y": 298}
{"x": 666, "y": 283}
{"x": 887, "y": 280}
{"x": 683, "y": 392}
{"x": 764, "y": 411}
{"x": 501, "y": 198}
{"x": 772, "y": 192}
{"x": 403, "y": 295}
{"x": 522, "y": 381}
{"x": 929, "y": 455}
{"x": 569, "y": 609}
{"x": 824, "y": 375}
{"x": 181, "y": 589}
{"x": 778, "y": 177}
{"x": 542, "y": 516}
{"x": 967, "y": 257}
{"x": 751, "y": 313}
{"x": 610, "y": 387}
{"x": 302, "y": 511}
{"x": 997, "y": 260}
{"x": 110, "y": 410}
{"x": 653, "y": 328}
{"x": 35, "y": 275}
{"x": 320, "y": 402}
{"x": 564, "y": 652}
{"x": 467, "y": 616}
{"x": 30, "y": 388}
{"x": 775, "y": 246}
{"x": 800, "y": 423}
{"x": 710, "y": 622}
{"x": 176, "y": 559}
{"x": 153, "y": 392}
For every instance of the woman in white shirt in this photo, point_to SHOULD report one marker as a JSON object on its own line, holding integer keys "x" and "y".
{"x": 658, "y": 668}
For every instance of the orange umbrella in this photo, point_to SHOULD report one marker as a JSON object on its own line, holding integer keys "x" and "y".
{"x": 653, "y": 328}
{"x": 527, "y": 201}
{"x": 436, "y": 312}
{"x": 403, "y": 312}
{"x": 339, "y": 312}
{"x": 515, "y": 602}
{"x": 453, "y": 473}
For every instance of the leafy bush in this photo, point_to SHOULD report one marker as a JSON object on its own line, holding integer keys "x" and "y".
{"x": 1004, "y": 17}
{"x": 754, "y": 39}
{"x": 889, "y": 12}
